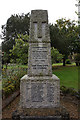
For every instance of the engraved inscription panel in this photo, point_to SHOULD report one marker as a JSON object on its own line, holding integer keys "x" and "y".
{"x": 36, "y": 92}
{"x": 50, "y": 92}
{"x": 39, "y": 53}
{"x": 40, "y": 61}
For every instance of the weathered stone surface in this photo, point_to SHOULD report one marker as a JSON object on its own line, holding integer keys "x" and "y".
{"x": 39, "y": 59}
{"x": 40, "y": 118}
{"x": 40, "y": 92}
{"x": 42, "y": 114}
{"x": 39, "y": 88}
{"x": 39, "y": 29}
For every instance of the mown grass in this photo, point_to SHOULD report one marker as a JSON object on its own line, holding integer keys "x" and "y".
{"x": 68, "y": 76}
{"x": 61, "y": 64}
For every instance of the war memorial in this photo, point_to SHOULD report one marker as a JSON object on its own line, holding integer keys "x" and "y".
{"x": 40, "y": 89}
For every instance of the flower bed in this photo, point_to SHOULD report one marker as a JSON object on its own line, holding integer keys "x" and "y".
{"x": 11, "y": 80}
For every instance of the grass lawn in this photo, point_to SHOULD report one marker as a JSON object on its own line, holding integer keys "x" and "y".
{"x": 61, "y": 64}
{"x": 68, "y": 76}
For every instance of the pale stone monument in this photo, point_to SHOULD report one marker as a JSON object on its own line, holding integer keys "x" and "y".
{"x": 39, "y": 88}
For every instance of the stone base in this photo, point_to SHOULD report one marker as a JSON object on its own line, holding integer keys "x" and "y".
{"x": 40, "y": 118}
{"x": 41, "y": 114}
{"x": 40, "y": 92}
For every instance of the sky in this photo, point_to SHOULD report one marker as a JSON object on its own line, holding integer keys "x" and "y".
{"x": 56, "y": 9}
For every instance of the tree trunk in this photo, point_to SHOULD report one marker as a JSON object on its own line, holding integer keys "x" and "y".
{"x": 64, "y": 61}
{"x": 76, "y": 63}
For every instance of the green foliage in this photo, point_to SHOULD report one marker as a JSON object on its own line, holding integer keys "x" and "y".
{"x": 19, "y": 52}
{"x": 68, "y": 61}
{"x": 56, "y": 56}
{"x": 11, "y": 80}
{"x": 77, "y": 57}
{"x": 63, "y": 35}
{"x": 66, "y": 90}
{"x": 76, "y": 44}
{"x": 5, "y": 58}
{"x": 16, "y": 24}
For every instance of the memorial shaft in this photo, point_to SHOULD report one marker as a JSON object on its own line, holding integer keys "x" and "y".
{"x": 39, "y": 62}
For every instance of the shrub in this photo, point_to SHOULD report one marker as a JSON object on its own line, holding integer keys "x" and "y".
{"x": 77, "y": 59}
{"x": 63, "y": 89}
{"x": 55, "y": 55}
{"x": 8, "y": 90}
{"x": 66, "y": 90}
{"x": 11, "y": 82}
{"x": 68, "y": 61}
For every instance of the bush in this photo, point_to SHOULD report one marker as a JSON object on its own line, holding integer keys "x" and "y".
{"x": 64, "y": 90}
{"x": 68, "y": 61}
{"x": 55, "y": 55}
{"x": 8, "y": 90}
{"x": 77, "y": 59}
{"x": 11, "y": 82}
{"x": 70, "y": 91}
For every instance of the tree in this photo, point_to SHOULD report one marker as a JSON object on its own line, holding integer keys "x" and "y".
{"x": 56, "y": 56}
{"x": 16, "y": 24}
{"x": 76, "y": 44}
{"x": 19, "y": 53}
{"x": 77, "y": 59}
{"x": 63, "y": 35}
